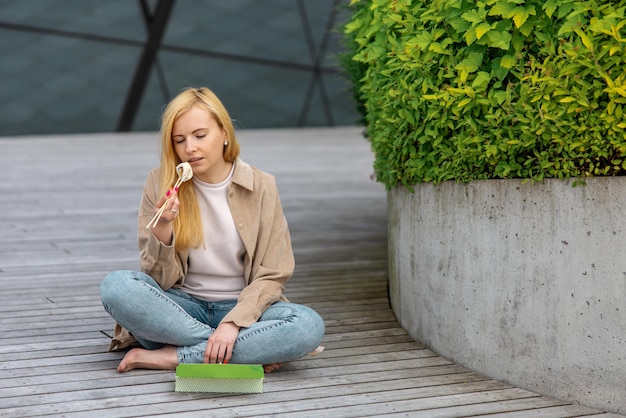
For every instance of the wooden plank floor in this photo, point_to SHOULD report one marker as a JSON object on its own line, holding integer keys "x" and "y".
{"x": 67, "y": 208}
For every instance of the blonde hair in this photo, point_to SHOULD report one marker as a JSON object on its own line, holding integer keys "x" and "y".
{"x": 187, "y": 225}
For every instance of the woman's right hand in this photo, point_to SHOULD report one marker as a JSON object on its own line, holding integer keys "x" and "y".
{"x": 163, "y": 229}
{"x": 219, "y": 348}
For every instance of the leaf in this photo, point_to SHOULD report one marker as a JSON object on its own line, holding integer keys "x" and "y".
{"x": 436, "y": 47}
{"x": 549, "y": 6}
{"x": 502, "y": 9}
{"x": 395, "y": 17}
{"x": 422, "y": 40}
{"x": 464, "y": 102}
{"x": 459, "y": 24}
{"x": 508, "y": 61}
{"x": 470, "y": 37}
{"x": 374, "y": 51}
{"x": 616, "y": 89}
{"x": 482, "y": 79}
{"x": 498, "y": 70}
{"x": 585, "y": 39}
{"x": 475, "y": 16}
{"x": 521, "y": 14}
{"x": 610, "y": 108}
{"x": 408, "y": 115}
{"x": 527, "y": 29}
{"x": 471, "y": 63}
{"x": 352, "y": 26}
{"x": 573, "y": 22}
{"x": 499, "y": 39}
{"x": 482, "y": 29}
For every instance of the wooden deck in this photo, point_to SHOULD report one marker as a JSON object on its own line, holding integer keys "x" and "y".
{"x": 68, "y": 207}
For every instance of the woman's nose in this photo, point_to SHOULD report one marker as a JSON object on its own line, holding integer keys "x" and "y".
{"x": 189, "y": 145}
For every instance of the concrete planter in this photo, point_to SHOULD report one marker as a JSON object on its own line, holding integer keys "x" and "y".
{"x": 524, "y": 283}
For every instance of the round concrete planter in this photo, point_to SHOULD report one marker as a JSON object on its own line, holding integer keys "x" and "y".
{"x": 525, "y": 283}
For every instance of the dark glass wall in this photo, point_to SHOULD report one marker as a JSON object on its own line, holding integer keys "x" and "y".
{"x": 70, "y": 66}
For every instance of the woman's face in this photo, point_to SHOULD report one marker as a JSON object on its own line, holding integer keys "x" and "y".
{"x": 199, "y": 140}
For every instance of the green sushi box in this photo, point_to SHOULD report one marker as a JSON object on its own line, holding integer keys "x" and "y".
{"x": 224, "y": 378}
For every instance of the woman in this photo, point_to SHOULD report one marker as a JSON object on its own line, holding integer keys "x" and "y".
{"x": 215, "y": 264}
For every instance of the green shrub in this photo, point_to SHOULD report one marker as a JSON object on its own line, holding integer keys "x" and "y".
{"x": 465, "y": 90}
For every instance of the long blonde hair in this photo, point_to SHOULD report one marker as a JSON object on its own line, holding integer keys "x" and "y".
{"x": 188, "y": 225}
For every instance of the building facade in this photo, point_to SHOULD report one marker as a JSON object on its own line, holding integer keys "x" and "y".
{"x": 79, "y": 66}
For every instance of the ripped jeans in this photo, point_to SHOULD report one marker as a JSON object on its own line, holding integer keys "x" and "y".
{"x": 284, "y": 332}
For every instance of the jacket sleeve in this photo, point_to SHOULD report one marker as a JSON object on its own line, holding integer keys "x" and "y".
{"x": 158, "y": 260}
{"x": 271, "y": 264}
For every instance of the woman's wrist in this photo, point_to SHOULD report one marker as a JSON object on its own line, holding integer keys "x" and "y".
{"x": 164, "y": 232}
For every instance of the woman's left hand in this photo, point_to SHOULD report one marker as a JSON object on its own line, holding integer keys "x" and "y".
{"x": 219, "y": 348}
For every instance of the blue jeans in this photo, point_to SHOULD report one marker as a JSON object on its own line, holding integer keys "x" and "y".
{"x": 285, "y": 331}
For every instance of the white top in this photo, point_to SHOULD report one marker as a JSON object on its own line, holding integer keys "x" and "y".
{"x": 216, "y": 268}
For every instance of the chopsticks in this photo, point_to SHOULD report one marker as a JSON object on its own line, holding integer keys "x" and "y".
{"x": 185, "y": 173}
{"x": 157, "y": 216}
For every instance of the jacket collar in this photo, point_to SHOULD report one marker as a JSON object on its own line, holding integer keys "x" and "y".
{"x": 243, "y": 175}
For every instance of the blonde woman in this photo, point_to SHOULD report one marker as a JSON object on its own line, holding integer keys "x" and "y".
{"x": 214, "y": 267}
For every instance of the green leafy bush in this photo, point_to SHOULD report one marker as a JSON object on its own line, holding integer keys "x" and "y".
{"x": 465, "y": 90}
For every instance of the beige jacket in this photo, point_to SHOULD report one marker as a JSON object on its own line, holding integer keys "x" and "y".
{"x": 268, "y": 263}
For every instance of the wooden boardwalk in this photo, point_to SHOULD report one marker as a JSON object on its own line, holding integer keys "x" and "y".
{"x": 67, "y": 209}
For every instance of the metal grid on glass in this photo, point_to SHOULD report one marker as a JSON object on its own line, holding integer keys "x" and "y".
{"x": 92, "y": 66}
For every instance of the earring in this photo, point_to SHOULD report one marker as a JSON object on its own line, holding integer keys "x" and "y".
{"x": 225, "y": 143}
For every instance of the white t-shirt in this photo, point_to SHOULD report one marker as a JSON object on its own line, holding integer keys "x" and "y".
{"x": 216, "y": 268}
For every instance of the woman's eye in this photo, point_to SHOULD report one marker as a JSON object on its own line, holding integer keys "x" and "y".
{"x": 200, "y": 136}
{"x": 179, "y": 141}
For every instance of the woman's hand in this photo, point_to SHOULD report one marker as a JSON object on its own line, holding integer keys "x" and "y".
{"x": 163, "y": 229}
{"x": 219, "y": 348}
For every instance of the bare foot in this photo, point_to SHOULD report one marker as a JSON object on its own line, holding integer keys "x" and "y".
{"x": 318, "y": 350}
{"x": 269, "y": 368}
{"x": 139, "y": 358}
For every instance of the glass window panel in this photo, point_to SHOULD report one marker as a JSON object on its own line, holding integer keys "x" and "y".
{"x": 111, "y": 18}
{"x": 269, "y": 29}
{"x": 339, "y": 91}
{"x": 254, "y": 54}
{"x": 152, "y": 104}
{"x": 255, "y": 95}
{"x": 62, "y": 84}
